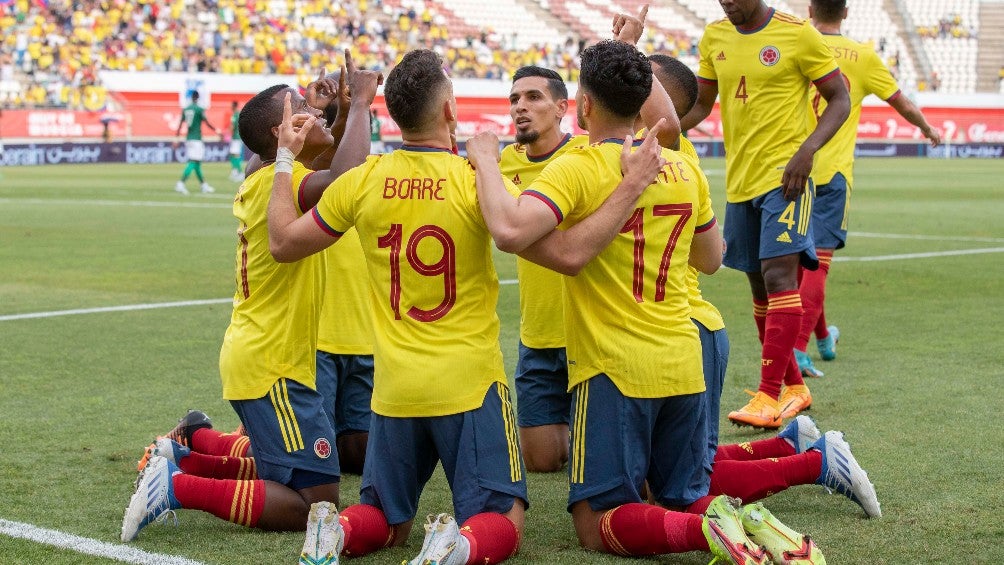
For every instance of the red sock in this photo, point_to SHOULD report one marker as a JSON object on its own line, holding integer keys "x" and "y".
{"x": 219, "y": 467}
{"x": 214, "y": 442}
{"x": 822, "y": 331}
{"x": 754, "y": 480}
{"x": 760, "y": 317}
{"x": 753, "y": 450}
{"x": 366, "y": 530}
{"x": 812, "y": 289}
{"x": 784, "y": 315}
{"x": 240, "y": 502}
{"x": 700, "y": 506}
{"x": 638, "y": 529}
{"x": 493, "y": 538}
{"x": 793, "y": 375}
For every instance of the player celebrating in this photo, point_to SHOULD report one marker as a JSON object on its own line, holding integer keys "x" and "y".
{"x": 762, "y": 62}
{"x": 864, "y": 74}
{"x": 267, "y": 362}
{"x": 640, "y": 387}
{"x": 193, "y": 116}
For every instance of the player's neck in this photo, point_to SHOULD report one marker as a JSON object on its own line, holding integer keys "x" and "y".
{"x": 546, "y": 143}
{"x": 826, "y": 28}
{"x": 598, "y": 130}
{"x": 439, "y": 140}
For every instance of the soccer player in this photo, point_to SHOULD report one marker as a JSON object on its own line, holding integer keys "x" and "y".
{"x": 762, "y": 62}
{"x": 538, "y": 101}
{"x": 864, "y": 73}
{"x": 268, "y": 358}
{"x": 439, "y": 388}
{"x": 236, "y": 145}
{"x": 193, "y": 116}
{"x": 633, "y": 353}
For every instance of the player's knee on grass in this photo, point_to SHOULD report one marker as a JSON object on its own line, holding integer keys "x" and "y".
{"x": 545, "y": 448}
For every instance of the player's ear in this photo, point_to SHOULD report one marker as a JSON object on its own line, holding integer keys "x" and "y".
{"x": 449, "y": 110}
{"x": 562, "y": 107}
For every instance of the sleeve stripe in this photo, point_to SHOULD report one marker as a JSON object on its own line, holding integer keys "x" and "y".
{"x": 707, "y": 80}
{"x": 324, "y": 225}
{"x": 550, "y": 203}
{"x": 707, "y": 226}
{"x": 894, "y": 96}
{"x": 299, "y": 193}
{"x": 834, "y": 73}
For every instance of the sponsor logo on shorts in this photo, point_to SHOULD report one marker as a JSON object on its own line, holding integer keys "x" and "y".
{"x": 784, "y": 238}
{"x": 322, "y": 448}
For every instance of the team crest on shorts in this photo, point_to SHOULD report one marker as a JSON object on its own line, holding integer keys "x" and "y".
{"x": 769, "y": 56}
{"x": 322, "y": 448}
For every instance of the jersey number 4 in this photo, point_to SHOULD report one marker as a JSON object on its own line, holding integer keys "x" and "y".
{"x": 636, "y": 225}
{"x": 445, "y": 267}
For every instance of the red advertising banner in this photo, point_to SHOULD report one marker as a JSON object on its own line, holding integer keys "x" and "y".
{"x": 151, "y": 115}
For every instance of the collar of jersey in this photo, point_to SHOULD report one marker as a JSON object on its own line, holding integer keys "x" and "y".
{"x": 620, "y": 141}
{"x": 539, "y": 158}
{"x": 425, "y": 149}
{"x": 770, "y": 16}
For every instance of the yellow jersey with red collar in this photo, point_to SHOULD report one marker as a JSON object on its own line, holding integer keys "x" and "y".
{"x": 541, "y": 321}
{"x": 864, "y": 73}
{"x": 626, "y": 313}
{"x": 432, "y": 283}
{"x": 763, "y": 78}
{"x": 273, "y": 327}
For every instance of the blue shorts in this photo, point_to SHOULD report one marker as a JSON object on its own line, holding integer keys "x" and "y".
{"x": 292, "y": 437}
{"x": 542, "y": 396}
{"x": 829, "y": 213}
{"x": 618, "y": 442}
{"x": 478, "y": 448}
{"x": 769, "y": 226}
{"x": 715, "y": 358}
{"x": 346, "y": 383}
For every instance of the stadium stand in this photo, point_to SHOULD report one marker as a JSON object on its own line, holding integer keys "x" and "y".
{"x": 51, "y": 52}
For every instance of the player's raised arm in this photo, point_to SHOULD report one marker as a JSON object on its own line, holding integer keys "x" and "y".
{"x": 514, "y": 223}
{"x": 568, "y": 251}
{"x": 291, "y": 237}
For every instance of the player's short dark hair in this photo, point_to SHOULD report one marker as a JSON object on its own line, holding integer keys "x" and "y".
{"x": 617, "y": 76}
{"x": 194, "y": 95}
{"x": 829, "y": 11}
{"x": 555, "y": 85}
{"x": 666, "y": 68}
{"x": 259, "y": 116}
{"x": 413, "y": 88}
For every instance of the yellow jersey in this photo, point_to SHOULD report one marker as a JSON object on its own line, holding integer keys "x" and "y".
{"x": 763, "y": 78}
{"x": 273, "y": 327}
{"x": 626, "y": 313}
{"x": 541, "y": 319}
{"x": 346, "y": 326}
{"x": 864, "y": 73}
{"x": 432, "y": 284}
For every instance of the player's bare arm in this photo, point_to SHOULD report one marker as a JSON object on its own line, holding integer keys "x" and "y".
{"x": 659, "y": 105}
{"x": 291, "y": 237}
{"x": 838, "y": 106}
{"x": 363, "y": 86}
{"x": 568, "y": 251}
{"x": 707, "y": 92}
{"x": 334, "y": 100}
{"x": 706, "y": 250}
{"x": 912, "y": 114}
{"x": 514, "y": 223}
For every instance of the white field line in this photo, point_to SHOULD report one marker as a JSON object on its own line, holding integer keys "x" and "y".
{"x": 124, "y": 308}
{"x": 922, "y": 255}
{"x": 89, "y": 546}
{"x": 133, "y": 203}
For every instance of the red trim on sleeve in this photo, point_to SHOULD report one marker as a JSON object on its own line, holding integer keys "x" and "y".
{"x": 894, "y": 96}
{"x": 707, "y": 226}
{"x": 707, "y": 80}
{"x": 299, "y": 193}
{"x": 834, "y": 73}
{"x": 324, "y": 225}
{"x": 550, "y": 203}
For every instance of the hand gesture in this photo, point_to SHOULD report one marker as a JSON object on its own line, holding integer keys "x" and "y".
{"x": 323, "y": 91}
{"x": 363, "y": 85}
{"x": 933, "y": 135}
{"x": 629, "y": 28}
{"x": 294, "y": 128}
{"x": 641, "y": 167}
{"x": 482, "y": 149}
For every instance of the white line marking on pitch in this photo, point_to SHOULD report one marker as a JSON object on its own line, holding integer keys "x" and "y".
{"x": 89, "y": 546}
{"x": 140, "y": 203}
{"x": 927, "y": 237}
{"x": 922, "y": 255}
{"x": 124, "y": 308}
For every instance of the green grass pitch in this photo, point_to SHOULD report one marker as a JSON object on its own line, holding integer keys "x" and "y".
{"x": 917, "y": 293}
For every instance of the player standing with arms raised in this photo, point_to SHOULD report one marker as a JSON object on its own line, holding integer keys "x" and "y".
{"x": 864, "y": 73}
{"x": 762, "y": 62}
